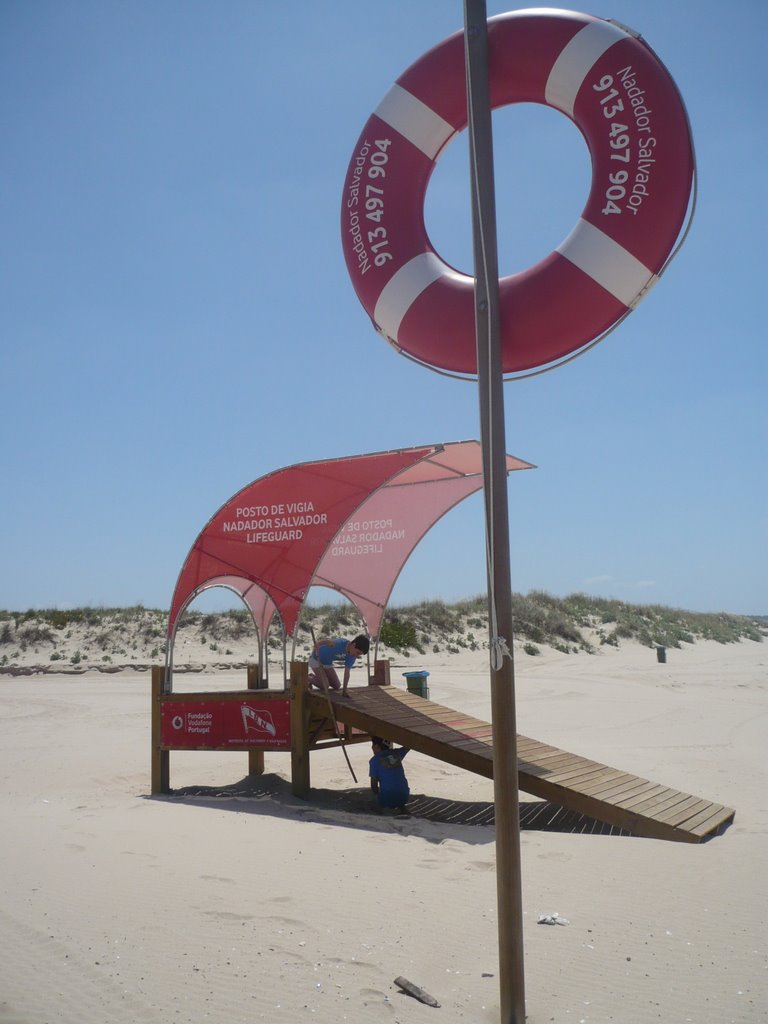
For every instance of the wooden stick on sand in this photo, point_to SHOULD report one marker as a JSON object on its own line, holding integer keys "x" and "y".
{"x": 416, "y": 992}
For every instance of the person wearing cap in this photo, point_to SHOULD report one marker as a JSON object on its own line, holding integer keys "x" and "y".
{"x": 388, "y": 782}
{"x": 325, "y": 652}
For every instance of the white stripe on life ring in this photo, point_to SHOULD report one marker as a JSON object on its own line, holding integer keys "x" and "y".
{"x": 414, "y": 120}
{"x": 608, "y": 263}
{"x": 575, "y": 61}
{"x": 403, "y": 288}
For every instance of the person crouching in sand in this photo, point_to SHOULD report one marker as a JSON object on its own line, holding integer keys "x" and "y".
{"x": 388, "y": 781}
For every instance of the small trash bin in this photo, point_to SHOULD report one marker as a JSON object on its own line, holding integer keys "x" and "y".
{"x": 661, "y": 654}
{"x": 417, "y": 683}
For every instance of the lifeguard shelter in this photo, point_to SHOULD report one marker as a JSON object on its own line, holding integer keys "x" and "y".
{"x": 351, "y": 524}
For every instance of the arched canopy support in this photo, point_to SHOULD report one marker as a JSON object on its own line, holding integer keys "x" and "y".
{"x": 258, "y": 603}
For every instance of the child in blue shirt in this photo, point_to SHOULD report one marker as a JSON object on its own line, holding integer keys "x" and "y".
{"x": 388, "y": 781}
{"x": 325, "y": 652}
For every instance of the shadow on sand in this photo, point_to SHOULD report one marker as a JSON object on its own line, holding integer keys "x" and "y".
{"x": 271, "y": 794}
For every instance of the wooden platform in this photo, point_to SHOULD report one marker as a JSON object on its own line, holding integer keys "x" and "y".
{"x": 610, "y": 795}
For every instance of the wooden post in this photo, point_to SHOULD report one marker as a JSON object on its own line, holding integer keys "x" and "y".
{"x": 161, "y": 775}
{"x": 255, "y": 679}
{"x": 256, "y": 757}
{"x": 300, "y": 783}
{"x": 491, "y": 398}
{"x": 381, "y": 676}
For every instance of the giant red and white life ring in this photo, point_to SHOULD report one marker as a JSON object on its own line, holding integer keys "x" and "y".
{"x": 621, "y": 97}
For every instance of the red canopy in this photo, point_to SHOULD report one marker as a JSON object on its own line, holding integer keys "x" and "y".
{"x": 350, "y": 524}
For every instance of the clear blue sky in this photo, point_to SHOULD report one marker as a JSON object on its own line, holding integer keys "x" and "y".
{"x": 176, "y": 318}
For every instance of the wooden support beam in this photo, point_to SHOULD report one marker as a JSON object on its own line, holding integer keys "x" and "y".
{"x": 161, "y": 774}
{"x": 256, "y": 681}
{"x": 299, "y": 680}
{"x": 381, "y": 674}
{"x": 256, "y": 757}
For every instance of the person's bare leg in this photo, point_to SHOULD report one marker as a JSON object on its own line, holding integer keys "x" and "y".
{"x": 317, "y": 679}
{"x": 333, "y": 679}
{"x": 325, "y": 678}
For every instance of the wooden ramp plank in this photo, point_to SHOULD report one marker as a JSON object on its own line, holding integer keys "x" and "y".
{"x": 712, "y": 823}
{"x": 576, "y": 783}
{"x": 637, "y": 800}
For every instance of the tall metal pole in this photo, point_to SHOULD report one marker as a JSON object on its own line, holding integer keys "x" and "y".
{"x": 491, "y": 398}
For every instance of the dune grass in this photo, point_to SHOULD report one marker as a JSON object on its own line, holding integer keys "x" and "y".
{"x": 570, "y": 624}
{"x": 573, "y": 624}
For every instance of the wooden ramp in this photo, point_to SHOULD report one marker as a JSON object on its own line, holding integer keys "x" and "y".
{"x": 576, "y": 783}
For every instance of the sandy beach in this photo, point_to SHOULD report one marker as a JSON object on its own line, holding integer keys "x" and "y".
{"x": 232, "y": 900}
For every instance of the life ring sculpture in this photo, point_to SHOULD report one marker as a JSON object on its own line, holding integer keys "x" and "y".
{"x": 611, "y": 84}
